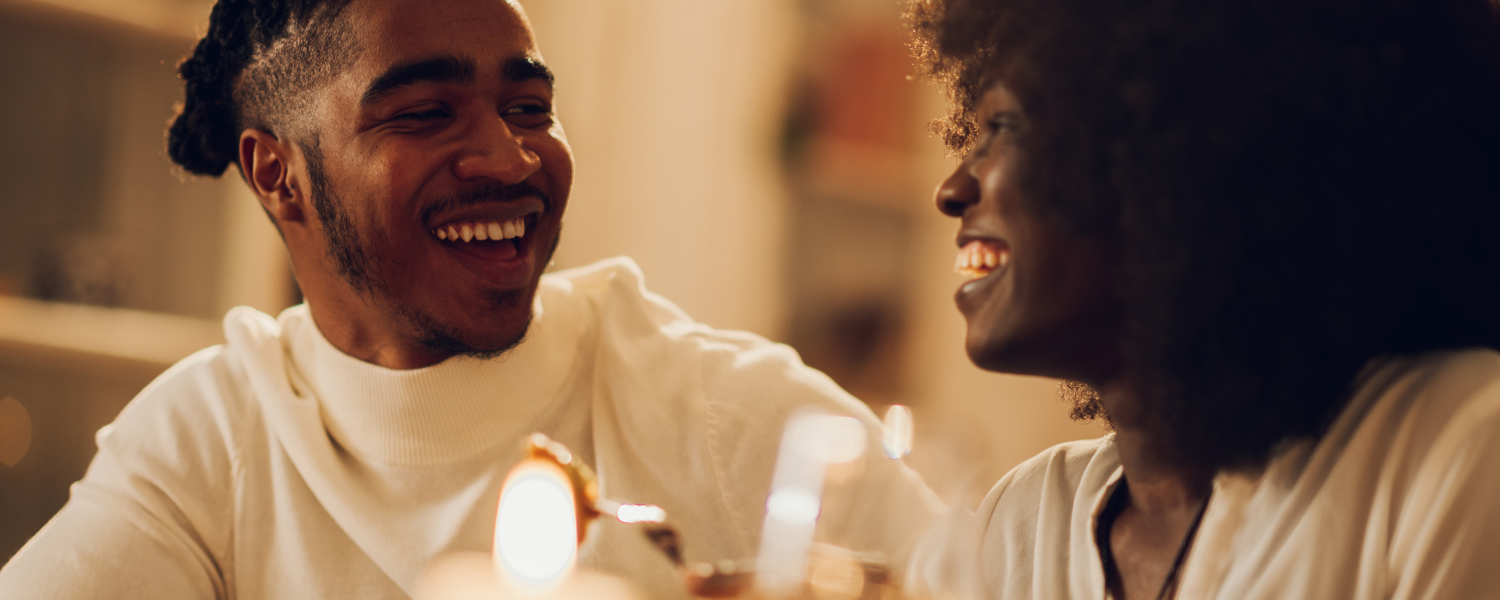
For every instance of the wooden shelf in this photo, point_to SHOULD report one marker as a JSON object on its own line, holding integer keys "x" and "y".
{"x": 91, "y": 338}
{"x": 182, "y": 20}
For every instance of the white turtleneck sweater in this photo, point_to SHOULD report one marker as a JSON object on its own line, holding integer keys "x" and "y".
{"x": 276, "y": 466}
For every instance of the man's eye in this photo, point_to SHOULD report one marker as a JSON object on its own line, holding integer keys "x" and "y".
{"x": 528, "y": 115}
{"x": 426, "y": 115}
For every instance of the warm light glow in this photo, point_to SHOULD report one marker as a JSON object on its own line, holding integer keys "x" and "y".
{"x": 536, "y": 527}
{"x": 898, "y": 431}
{"x": 640, "y": 513}
{"x": 793, "y": 505}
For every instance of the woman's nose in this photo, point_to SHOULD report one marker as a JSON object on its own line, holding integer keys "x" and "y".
{"x": 958, "y": 192}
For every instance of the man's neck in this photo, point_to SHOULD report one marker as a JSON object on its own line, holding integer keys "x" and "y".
{"x": 342, "y": 327}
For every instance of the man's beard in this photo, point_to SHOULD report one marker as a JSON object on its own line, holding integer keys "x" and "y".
{"x": 352, "y": 257}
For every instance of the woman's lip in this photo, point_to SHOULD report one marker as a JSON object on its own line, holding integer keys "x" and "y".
{"x": 968, "y": 297}
{"x": 979, "y": 257}
{"x": 971, "y": 293}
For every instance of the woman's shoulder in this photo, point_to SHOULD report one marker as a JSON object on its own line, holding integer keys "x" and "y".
{"x": 1027, "y": 521}
{"x": 1058, "y": 474}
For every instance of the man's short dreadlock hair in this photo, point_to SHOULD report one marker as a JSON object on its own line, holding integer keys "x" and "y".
{"x": 1295, "y": 186}
{"x": 252, "y": 70}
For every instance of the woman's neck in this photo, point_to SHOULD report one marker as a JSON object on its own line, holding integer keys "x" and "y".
{"x": 1159, "y": 480}
{"x": 1147, "y": 538}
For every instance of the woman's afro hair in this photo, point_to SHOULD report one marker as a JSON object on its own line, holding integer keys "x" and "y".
{"x": 1295, "y": 186}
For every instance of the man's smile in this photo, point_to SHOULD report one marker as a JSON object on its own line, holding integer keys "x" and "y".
{"x": 493, "y": 230}
{"x": 493, "y": 240}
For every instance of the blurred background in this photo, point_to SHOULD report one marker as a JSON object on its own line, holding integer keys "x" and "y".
{"x": 767, "y": 163}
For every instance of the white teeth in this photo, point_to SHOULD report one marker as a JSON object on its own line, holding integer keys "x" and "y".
{"x": 494, "y": 230}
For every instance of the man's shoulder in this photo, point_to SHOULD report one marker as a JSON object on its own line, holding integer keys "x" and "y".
{"x": 202, "y": 400}
{"x": 199, "y": 397}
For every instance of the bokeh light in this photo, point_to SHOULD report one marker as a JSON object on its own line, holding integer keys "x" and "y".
{"x": 536, "y": 527}
{"x": 793, "y": 505}
{"x": 898, "y": 431}
{"x": 640, "y": 513}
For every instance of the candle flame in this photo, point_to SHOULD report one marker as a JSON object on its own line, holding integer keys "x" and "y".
{"x": 536, "y": 526}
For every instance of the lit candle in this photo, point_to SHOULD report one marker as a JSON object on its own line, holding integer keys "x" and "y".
{"x": 536, "y": 527}
{"x": 546, "y": 505}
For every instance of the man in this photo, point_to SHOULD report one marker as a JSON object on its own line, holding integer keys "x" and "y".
{"x": 408, "y": 153}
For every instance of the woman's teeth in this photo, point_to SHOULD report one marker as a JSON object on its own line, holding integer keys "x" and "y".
{"x": 493, "y": 230}
{"x": 977, "y": 259}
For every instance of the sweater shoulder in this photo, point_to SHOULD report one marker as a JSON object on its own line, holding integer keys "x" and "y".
{"x": 1415, "y": 409}
{"x": 1057, "y": 474}
{"x": 173, "y": 454}
{"x": 195, "y": 403}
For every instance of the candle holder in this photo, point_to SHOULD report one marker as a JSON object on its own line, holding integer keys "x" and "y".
{"x": 552, "y": 486}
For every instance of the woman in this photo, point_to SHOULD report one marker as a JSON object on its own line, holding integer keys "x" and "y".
{"x": 1260, "y": 235}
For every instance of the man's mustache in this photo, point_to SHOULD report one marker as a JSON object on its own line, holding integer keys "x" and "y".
{"x": 486, "y": 194}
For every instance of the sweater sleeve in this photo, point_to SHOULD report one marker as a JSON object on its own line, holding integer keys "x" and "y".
{"x": 151, "y": 516}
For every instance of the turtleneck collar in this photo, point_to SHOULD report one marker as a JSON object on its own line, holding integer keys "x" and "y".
{"x": 446, "y": 412}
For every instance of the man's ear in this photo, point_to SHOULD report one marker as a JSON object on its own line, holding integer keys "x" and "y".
{"x": 266, "y": 162}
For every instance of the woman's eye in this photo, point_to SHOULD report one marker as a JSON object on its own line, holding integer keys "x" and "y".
{"x": 528, "y": 115}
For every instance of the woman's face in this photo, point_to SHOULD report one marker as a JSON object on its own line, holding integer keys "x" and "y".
{"x": 1038, "y": 301}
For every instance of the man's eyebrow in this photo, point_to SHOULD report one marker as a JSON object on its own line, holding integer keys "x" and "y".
{"x": 526, "y": 68}
{"x": 442, "y": 69}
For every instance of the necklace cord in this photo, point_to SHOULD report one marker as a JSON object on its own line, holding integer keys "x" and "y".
{"x": 1170, "y": 582}
{"x": 1112, "y": 509}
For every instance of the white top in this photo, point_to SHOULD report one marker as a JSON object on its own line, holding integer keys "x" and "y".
{"x": 278, "y": 467}
{"x": 1400, "y": 499}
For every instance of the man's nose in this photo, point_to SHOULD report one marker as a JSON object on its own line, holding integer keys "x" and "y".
{"x": 958, "y": 192}
{"x": 495, "y": 152}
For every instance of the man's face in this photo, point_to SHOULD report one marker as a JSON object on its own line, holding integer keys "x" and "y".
{"x": 440, "y": 175}
{"x": 1039, "y": 301}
